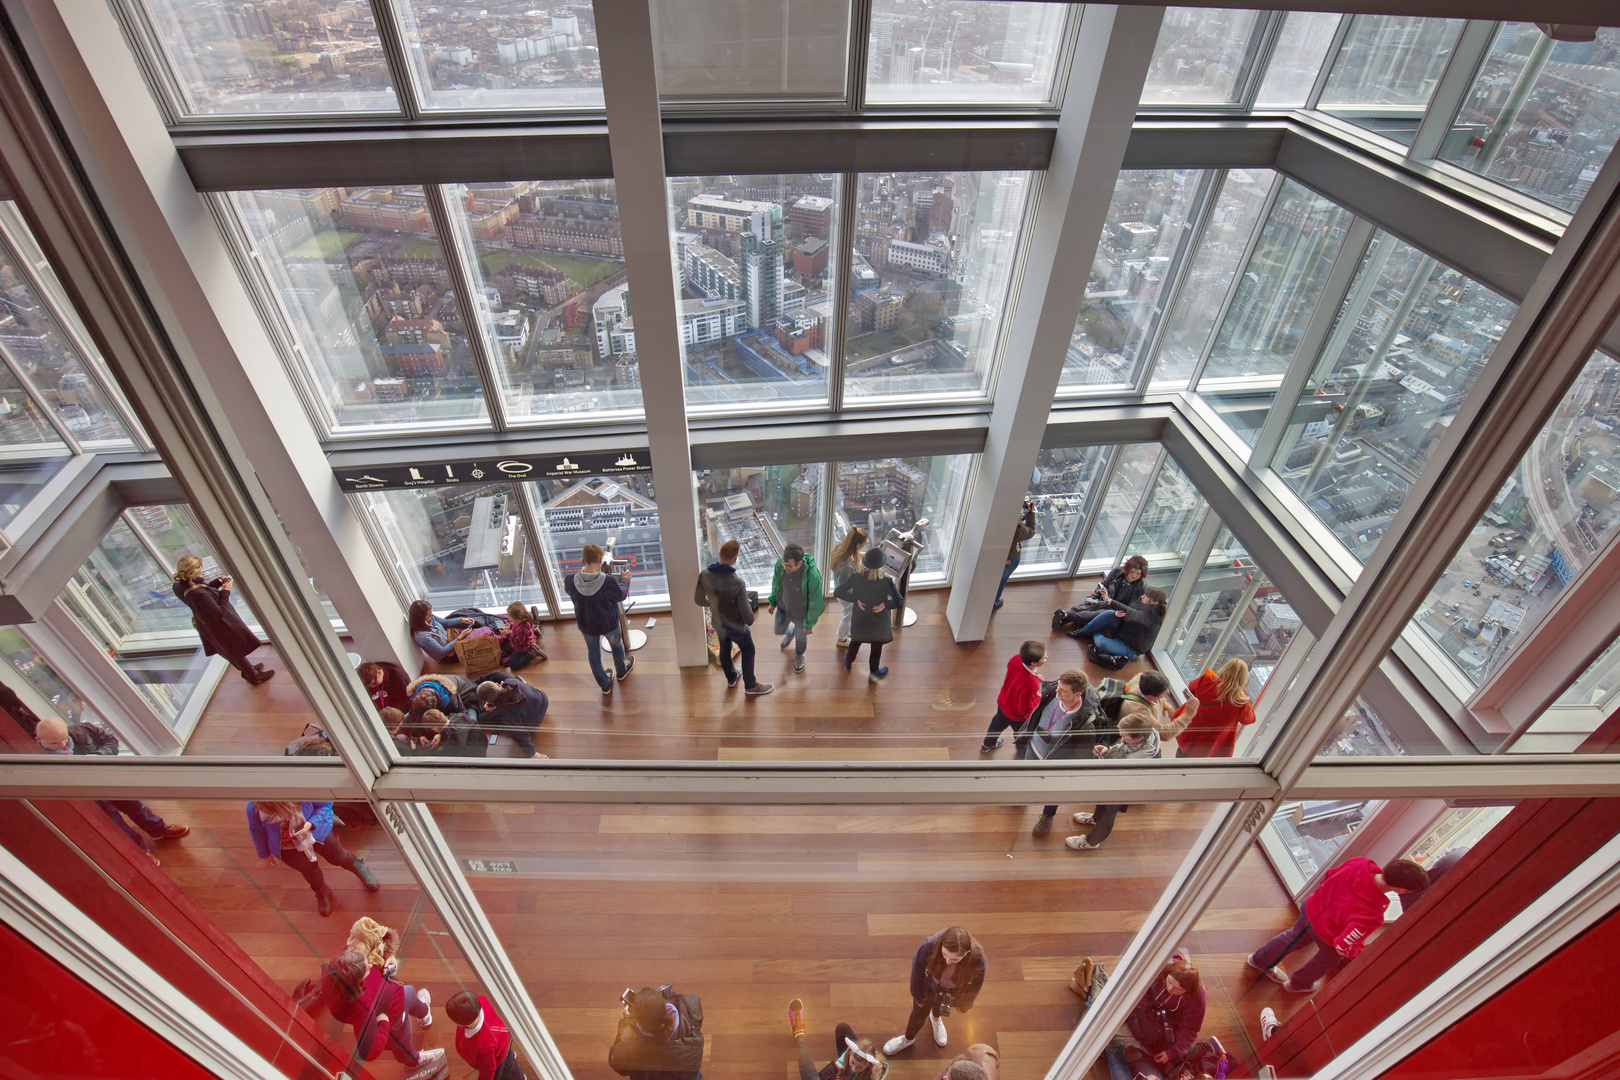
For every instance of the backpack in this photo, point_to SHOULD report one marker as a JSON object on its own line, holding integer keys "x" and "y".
{"x": 1104, "y": 660}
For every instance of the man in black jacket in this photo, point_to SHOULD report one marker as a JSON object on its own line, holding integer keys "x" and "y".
{"x": 57, "y": 737}
{"x": 660, "y": 1036}
{"x": 507, "y": 705}
{"x": 597, "y": 596}
{"x": 721, "y": 591}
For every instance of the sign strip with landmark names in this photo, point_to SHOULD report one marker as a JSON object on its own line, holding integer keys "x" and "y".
{"x": 490, "y": 470}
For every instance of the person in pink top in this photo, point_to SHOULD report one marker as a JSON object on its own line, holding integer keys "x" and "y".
{"x": 1338, "y": 916}
{"x": 482, "y": 1038}
{"x": 1020, "y": 693}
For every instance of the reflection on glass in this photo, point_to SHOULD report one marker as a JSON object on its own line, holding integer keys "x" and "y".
{"x": 1598, "y": 684}
{"x": 1133, "y": 470}
{"x": 365, "y": 286}
{"x": 763, "y": 508}
{"x": 26, "y": 661}
{"x": 1314, "y": 830}
{"x": 32, "y": 449}
{"x": 1386, "y": 70}
{"x": 1542, "y": 115}
{"x": 503, "y": 55}
{"x": 1411, "y": 338}
{"x": 1279, "y": 289}
{"x": 757, "y": 266}
{"x": 314, "y": 56}
{"x": 613, "y": 512}
{"x": 34, "y": 343}
{"x": 934, "y": 259}
{"x": 456, "y": 547}
{"x": 553, "y": 304}
{"x": 1169, "y": 517}
{"x": 1296, "y": 59}
{"x": 898, "y": 494}
{"x": 1062, "y": 488}
{"x": 965, "y": 52}
{"x": 1199, "y": 57}
{"x": 745, "y": 50}
{"x": 1545, "y": 526}
{"x": 1134, "y": 261}
{"x": 1232, "y": 222}
{"x": 1361, "y": 733}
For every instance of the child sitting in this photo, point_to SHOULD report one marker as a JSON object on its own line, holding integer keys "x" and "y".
{"x": 520, "y": 644}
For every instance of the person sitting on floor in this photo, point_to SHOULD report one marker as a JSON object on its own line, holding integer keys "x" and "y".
{"x": 1124, "y": 585}
{"x": 509, "y": 706}
{"x": 385, "y": 683}
{"x": 1123, "y": 633}
{"x": 520, "y": 641}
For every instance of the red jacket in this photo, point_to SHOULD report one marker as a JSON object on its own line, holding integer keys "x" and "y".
{"x": 1020, "y": 691}
{"x": 1214, "y": 728}
{"x": 486, "y": 1050}
{"x": 1348, "y": 906}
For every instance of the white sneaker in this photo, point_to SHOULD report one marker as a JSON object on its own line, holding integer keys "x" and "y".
{"x": 1083, "y": 818}
{"x": 429, "y": 1064}
{"x": 1268, "y": 1022}
{"x": 939, "y": 1029}
{"x": 427, "y": 999}
{"x": 897, "y": 1044}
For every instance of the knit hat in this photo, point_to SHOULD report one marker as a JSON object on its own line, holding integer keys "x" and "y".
{"x": 379, "y": 943}
{"x": 873, "y": 559}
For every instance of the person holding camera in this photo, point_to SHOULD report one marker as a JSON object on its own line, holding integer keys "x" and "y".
{"x": 731, "y": 611}
{"x": 1124, "y": 584}
{"x": 660, "y": 1036}
{"x": 217, "y": 623}
{"x": 1025, "y": 530}
{"x": 946, "y": 973}
{"x": 597, "y": 596}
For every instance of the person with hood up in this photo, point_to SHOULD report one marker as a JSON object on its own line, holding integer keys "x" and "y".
{"x": 731, "y": 613}
{"x": 597, "y": 596}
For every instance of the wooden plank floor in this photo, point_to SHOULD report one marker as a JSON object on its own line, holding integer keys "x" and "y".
{"x": 934, "y": 705}
{"x": 750, "y": 907}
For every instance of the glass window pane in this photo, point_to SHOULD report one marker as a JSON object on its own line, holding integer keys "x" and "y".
{"x": 1386, "y": 70}
{"x": 965, "y": 52}
{"x": 458, "y": 546}
{"x": 1061, "y": 488}
{"x": 1232, "y": 222}
{"x": 1170, "y": 516}
{"x": 1542, "y": 115}
{"x": 316, "y": 56}
{"x": 1279, "y": 289}
{"x": 1136, "y": 257}
{"x": 1362, "y": 733}
{"x": 1599, "y": 683}
{"x": 757, "y": 267}
{"x": 1132, "y": 472}
{"x": 763, "y": 508}
{"x": 618, "y": 512}
{"x": 1545, "y": 526}
{"x": 34, "y": 342}
{"x": 27, "y": 661}
{"x": 514, "y": 57}
{"x": 1411, "y": 338}
{"x": 31, "y": 452}
{"x": 364, "y": 284}
{"x": 934, "y": 259}
{"x": 1296, "y": 59}
{"x": 1199, "y": 57}
{"x": 746, "y": 50}
{"x": 900, "y": 494}
{"x": 550, "y": 260}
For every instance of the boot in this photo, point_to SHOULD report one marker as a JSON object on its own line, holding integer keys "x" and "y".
{"x": 362, "y": 872}
{"x": 323, "y": 901}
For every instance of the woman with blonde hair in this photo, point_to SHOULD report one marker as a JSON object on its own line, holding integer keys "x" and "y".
{"x": 845, "y": 562}
{"x": 873, "y": 596}
{"x": 222, "y": 630}
{"x": 1222, "y": 706}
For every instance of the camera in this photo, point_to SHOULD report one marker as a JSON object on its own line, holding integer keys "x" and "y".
{"x": 943, "y": 1003}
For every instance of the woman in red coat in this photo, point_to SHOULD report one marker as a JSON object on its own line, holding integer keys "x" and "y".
{"x": 1220, "y": 705}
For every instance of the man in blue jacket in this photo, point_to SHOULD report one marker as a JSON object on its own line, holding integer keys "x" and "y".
{"x": 510, "y": 706}
{"x": 306, "y": 829}
{"x": 596, "y": 598}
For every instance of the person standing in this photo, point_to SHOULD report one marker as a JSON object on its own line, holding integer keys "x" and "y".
{"x": 852, "y": 1056}
{"x": 1137, "y": 740}
{"x": 364, "y": 996}
{"x": 981, "y": 1061}
{"x": 846, "y": 563}
{"x": 597, "y": 596}
{"x": 1223, "y": 707}
{"x": 947, "y": 973}
{"x": 221, "y": 629}
{"x": 56, "y": 736}
{"x": 482, "y": 1037}
{"x": 1020, "y": 693}
{"x": 731, "y": 612}
{"x": 872, "y": 593}
{"x": 294, "y": 833}
{"x": 796, "y": 599}
{"x": 660, "y": 1036}
{"x": 1063, "y": 726}
{"x": 1338, "y": 917}
{"x": 1024, "y": 530}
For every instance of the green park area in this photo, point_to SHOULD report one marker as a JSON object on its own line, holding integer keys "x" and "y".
{"x": 324, "y": 245}
{"x": 584, "y": 272}
{"x": 886, "y": 341}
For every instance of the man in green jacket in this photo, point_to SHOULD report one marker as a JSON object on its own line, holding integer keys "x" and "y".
{"x": 796, "y": 598}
